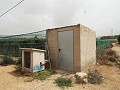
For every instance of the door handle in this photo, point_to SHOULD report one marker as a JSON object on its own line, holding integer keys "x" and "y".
{"x": 59, "y": 50}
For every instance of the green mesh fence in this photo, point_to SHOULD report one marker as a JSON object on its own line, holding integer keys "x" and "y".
{"x": 11, "y": 45}
{"x": 13, "y": 49}
{"x": 102, "y": 44}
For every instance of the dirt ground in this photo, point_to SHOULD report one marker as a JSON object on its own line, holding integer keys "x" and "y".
{"x": 10, "y": 80}
{"x": 116, "y": 47}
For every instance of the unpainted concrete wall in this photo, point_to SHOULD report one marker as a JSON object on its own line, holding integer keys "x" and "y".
{"x": 52, "y": 38}
{"x": 87, "y": 47}
{"x": 84, "y": 46}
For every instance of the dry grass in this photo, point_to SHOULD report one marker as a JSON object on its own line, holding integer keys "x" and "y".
{"x": 108, "y": 57}
{"x": 94, "y": 77}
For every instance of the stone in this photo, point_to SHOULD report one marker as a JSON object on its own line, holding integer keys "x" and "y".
{"x": 83, "y": 76}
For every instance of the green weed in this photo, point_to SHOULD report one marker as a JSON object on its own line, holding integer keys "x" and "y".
{"x": 63, "y": 81}
{"x": 42, "y": 75}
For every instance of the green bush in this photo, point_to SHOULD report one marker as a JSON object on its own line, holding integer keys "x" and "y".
{"x": 42, "y": 75}
{"x": 94, "y": 77}
{"x": 7, "y": 61}
{"x": 63, "y": 81}
{"x": 118, "y": 39}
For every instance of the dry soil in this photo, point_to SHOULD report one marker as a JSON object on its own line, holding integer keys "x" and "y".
{"x": 10, "y": 80}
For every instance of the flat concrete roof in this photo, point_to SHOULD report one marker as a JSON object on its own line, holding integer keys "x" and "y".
{"x": 70, "y": 26}
{"x": 33, "y": 49}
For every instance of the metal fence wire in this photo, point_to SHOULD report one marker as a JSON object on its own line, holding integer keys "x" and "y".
{"x": 11, "y": 45}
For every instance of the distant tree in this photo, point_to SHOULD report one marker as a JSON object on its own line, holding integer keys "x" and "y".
{"x": 36, "y": 38}
{"x": 119, "y": 39}
{"x": 109, "y": 37}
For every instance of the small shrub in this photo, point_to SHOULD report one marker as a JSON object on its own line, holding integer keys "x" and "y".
{"x": 94, "y": 77}
{"x": 42, "y": 75}
{"x": 118, "y": 39}
{"x": 19, "y": 65}
{"x": 79, "y": 80}
{"x": 112, "y": 58}
{"x": 63, "y": 81}
{"x": 19, "y": 61}
{"x": 108, "y": 57}
{"x": 52, "y": 71}
{"x": 7, "y": 61}
{"x": 19, "y": 68}
{"x": 110, "y": 52}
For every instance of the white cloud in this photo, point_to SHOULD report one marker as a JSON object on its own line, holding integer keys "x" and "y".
{"x": 100, "y": 15}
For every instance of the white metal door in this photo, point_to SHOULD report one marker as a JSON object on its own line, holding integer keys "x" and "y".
{"x": 65, "y": 40}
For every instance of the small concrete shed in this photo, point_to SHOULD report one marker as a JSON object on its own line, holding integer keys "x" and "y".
{"x": 33, "y": 60}
{"x": 72, "y": 48}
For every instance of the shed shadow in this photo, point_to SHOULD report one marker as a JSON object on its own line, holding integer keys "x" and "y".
{"x": 19, "y": 73}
